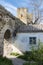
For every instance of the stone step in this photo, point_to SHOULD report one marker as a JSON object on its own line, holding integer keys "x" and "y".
{"x": 7, "y": 47}
{"x": 8, "y": 51}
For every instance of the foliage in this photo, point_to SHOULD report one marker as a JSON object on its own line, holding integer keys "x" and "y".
{"x": 37, "y": 55}
{"x": 33, "y": 54}
{"x": 5, "y": 61}
{"x": 14, "y": 54}
{"x": 34, "y": 57}
{"x": 30, "y": 63}
{"x": 26, "y": 55}
{"x": 33, "y": 63}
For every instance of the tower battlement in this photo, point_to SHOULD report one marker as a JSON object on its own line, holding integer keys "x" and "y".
{"x": 22, "y": 14}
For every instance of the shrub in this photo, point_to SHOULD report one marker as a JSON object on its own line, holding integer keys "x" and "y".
{"x": 31, "y": 63}
{"x": 26, "y": 56}
{"x": 36, "y": 55}
{"x": 5, "y": 61}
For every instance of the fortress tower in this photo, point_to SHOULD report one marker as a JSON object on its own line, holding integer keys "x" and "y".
{"x": 22, "y": 14}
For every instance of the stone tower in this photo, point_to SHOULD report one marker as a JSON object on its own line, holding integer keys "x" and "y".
{"x": 22, "y": 14}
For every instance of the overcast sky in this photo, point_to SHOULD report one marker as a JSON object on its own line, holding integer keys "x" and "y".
{"x": 12, "y": 5}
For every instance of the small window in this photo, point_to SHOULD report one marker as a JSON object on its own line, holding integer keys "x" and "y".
{"x": 21, "y": 15}
{"x": 32, "y": 40}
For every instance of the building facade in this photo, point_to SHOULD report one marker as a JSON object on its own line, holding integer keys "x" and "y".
{"x": 15, "y": 34}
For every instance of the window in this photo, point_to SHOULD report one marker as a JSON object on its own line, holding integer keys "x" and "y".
{"x": 21, "y": 15}
{"x": 32, "y": 40}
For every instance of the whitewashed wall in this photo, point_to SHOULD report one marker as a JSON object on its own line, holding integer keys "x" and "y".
{"x": 21, "y": 41}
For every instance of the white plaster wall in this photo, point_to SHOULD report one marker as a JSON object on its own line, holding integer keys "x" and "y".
{"x": 22, "y": 40}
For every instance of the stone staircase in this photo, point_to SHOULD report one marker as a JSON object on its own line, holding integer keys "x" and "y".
{"x": 4, "y": 44}
{"x": 7, "y": 47}
{"x": 1, "y": 40}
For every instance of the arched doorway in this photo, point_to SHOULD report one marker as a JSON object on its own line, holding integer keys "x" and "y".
{"x": 7, "y": 36}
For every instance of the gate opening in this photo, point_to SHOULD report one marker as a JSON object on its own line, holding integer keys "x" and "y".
{"x": 7, "y": 34}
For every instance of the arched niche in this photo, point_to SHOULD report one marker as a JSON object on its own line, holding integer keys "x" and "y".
{"x": 7, "y": 34}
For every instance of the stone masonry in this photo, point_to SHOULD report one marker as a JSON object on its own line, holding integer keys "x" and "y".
{"x": 10, "y": 23}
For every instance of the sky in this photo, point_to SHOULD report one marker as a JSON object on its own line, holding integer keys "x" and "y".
{"x": 12, "y": 5}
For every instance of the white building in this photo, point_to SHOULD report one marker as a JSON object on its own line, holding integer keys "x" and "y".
{"x": 16, "y": 35}
{"x": 28, "y": 36}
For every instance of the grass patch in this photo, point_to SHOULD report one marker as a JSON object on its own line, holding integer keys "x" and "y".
{"x": 29, "y": 63}
{"x": 14, "y": 54}
{"x": 33, "y": 63}
{"x": 26, "y": 56}
{"x": 5, "y": 61}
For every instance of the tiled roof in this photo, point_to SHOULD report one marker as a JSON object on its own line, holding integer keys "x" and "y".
{"x": 31, "y": 28}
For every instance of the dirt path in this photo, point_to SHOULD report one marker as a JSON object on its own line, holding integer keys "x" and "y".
{"x": 16, "y": 61}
